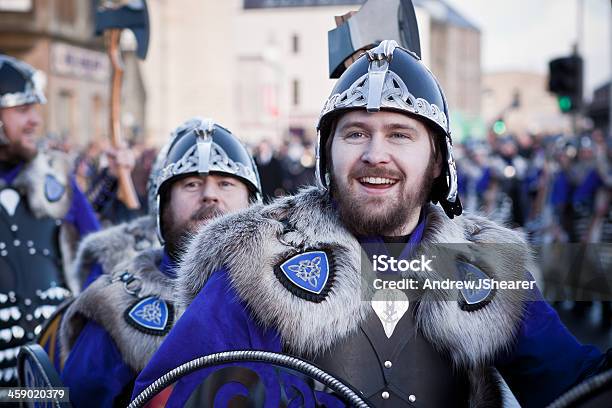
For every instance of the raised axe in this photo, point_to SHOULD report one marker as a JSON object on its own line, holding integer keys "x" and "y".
{"x": 112, "y": 17}
{"x": 375, "y": 21}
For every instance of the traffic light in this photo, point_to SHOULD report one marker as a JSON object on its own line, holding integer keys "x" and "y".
{"x": 565, "y": 103}
{"x": 565, "y": 80}
{"x": 499, "y": 127}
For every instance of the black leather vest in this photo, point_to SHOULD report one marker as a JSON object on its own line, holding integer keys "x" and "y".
{"x": 31, "y": 279}
{"x": 401, "y": 371}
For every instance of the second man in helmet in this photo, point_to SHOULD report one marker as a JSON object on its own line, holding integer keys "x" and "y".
{"x": 112, "y": 329}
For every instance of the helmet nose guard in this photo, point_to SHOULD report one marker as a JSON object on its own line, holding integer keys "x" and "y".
{"x": 392, "y": 78}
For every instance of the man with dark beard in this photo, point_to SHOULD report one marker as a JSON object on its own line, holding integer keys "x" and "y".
{"x": 289, "y": 278}
{"x": 110, "y": 331}
{"x": 372, "y": 212}
{"x": 42, "y": 216}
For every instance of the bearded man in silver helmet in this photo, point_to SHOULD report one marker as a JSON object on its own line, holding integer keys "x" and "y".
{"x": 109, "y": 332}
{"x": 289, "y": 278}
{"x": 43, "y": 214}
{"x": 100, "y": 252}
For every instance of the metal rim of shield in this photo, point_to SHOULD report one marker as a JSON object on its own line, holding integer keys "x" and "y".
{"x": 583, "y": 391}
{"x": 37, "y": 355}
{"x": 344, "y": 391}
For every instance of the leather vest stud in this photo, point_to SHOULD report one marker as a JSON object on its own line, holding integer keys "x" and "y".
{"x": 31, "y": 280}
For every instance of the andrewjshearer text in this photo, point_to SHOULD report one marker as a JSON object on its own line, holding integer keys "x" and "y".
{"x": 446, "y": 284}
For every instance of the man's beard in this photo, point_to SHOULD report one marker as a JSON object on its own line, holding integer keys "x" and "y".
{"x": 359, "y": 217}
{"x": 16, "y": 153}
{"x": 177, "y": 235}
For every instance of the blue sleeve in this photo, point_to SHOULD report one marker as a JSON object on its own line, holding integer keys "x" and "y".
{"x": 81, "y": 213}
{"x": 94, "y": 371}
{"x": 215, "y": 321}
{"x": 547, "y": 359}
{"x": 560, "y": 190}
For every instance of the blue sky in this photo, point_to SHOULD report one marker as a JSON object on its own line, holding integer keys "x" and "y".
{"x": 526, "y": 34}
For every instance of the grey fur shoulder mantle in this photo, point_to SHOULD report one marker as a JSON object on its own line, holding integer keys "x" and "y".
{"x": 247, "y": 244}
{"x": 32, "y": 179}
{"x": 110, "y": 247}
{"x": 106, "y": 301}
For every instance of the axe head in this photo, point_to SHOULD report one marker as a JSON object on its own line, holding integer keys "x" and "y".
{"x": 132, "y": 14}
{"x": 377, "y": 20}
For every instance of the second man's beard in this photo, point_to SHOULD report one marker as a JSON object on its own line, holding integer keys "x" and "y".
{"x": 177, "y": 235}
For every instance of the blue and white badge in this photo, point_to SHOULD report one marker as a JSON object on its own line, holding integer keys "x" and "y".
{"x": 478, "y": 291}
{"x": 54, "y": 190}
{"x": 308, "y": 272}
{"x": 151, "y": 315}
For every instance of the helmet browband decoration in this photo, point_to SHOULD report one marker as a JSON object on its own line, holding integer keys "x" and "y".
{"x": 390, "y": 77}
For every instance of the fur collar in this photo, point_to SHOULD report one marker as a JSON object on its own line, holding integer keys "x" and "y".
{"x": 105, "y": 303}
{"x": 31, "y": 182}
{"x": 251, "y": 237}
{"x": 110, "y": 247}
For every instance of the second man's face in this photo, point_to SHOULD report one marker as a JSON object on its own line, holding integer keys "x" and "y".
{"x": 195, "y": 200}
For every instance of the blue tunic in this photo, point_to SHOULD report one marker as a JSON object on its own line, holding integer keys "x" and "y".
{"x": 234, "y": 329}
{"x": 561, "y": 189}
{"x": 586, "y": 189}
{"x": 545, "y": 361}
{"x": 94, "y": 370}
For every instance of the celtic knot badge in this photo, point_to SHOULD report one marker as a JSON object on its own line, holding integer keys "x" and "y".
{"x": 306, "y": 274}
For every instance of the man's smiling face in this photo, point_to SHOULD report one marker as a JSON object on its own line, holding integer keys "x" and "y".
{"x": 382, "y": 168}
{"x": 20, "y": 125}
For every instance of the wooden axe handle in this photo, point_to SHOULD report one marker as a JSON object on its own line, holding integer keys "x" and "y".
{"x": 127, "y": 192}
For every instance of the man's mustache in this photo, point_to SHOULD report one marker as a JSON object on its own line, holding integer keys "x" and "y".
{"x": 207, "y": 212}
{"x": 375, "y": 171}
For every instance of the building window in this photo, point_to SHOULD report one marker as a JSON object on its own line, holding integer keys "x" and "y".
{"x": 296, "y": 92}
{"x": 295, "y": 43}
